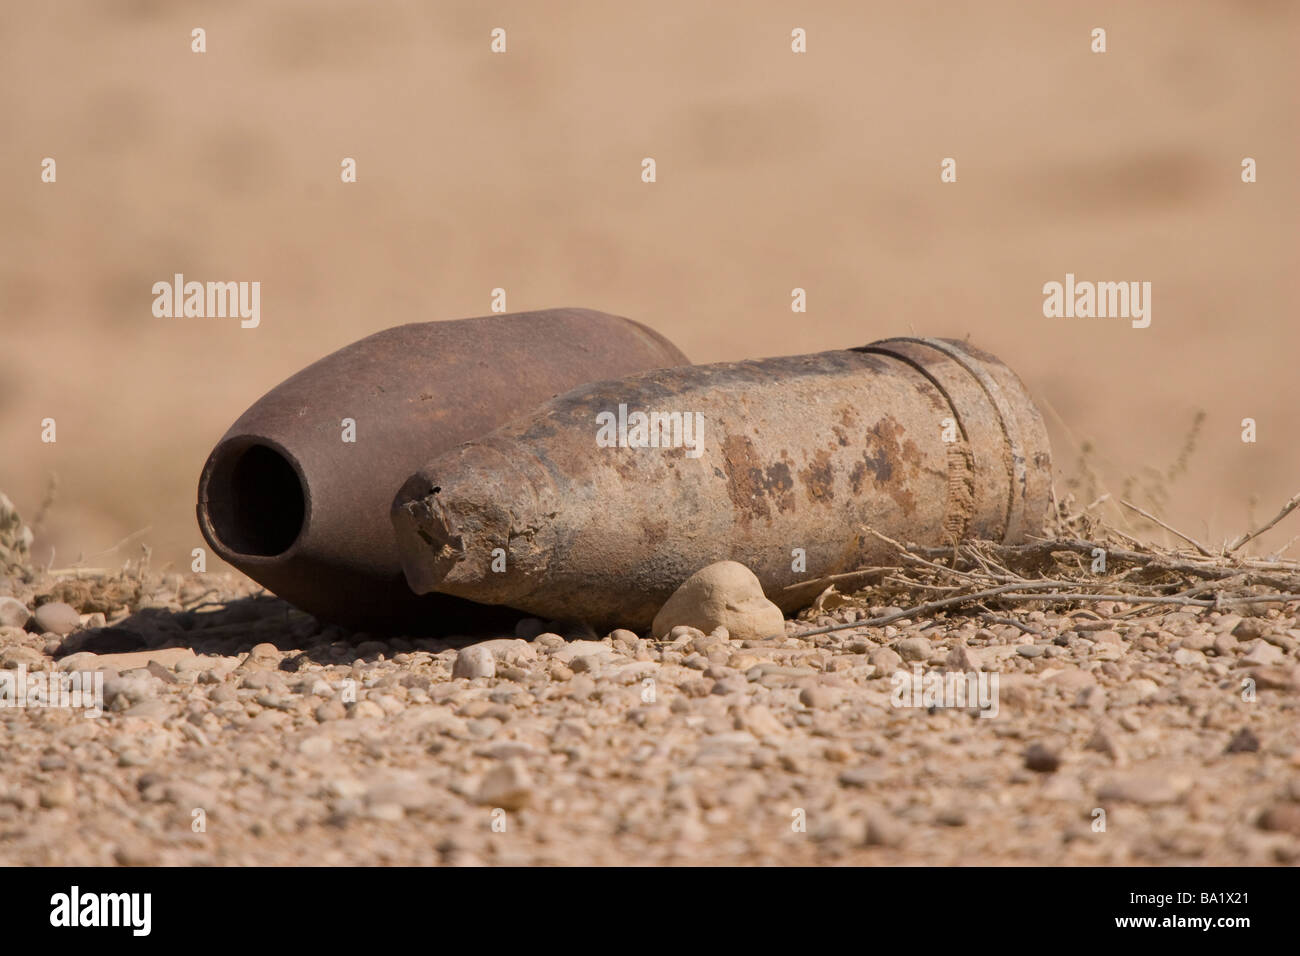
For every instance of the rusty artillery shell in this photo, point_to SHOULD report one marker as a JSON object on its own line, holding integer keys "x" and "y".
{"x": 923, "y": 440}
{"x": 289, "y": 501}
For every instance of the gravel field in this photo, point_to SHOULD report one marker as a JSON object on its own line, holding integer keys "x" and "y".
{"x": 241, "y": 731}
{"x": 825, "y": 176}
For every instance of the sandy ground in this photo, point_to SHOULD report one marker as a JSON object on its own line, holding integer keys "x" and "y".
{"x": 522, "y": 171}
{"x": 247, "y": 734}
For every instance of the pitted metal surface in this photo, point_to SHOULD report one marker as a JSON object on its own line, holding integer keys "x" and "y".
{"x": 799, "y": 454}
{"x": 283, "y": 498}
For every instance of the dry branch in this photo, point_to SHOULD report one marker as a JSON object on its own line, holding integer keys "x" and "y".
{"x": 932, "y": 581}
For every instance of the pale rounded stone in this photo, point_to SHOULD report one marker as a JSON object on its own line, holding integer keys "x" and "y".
{"x": 682, "y": 634}
{"x": 363, "y": 709}
{"x": 914, "y": 649}
{"x": 13, "y": 612}
{"x": 1143, "y": 787}
{"x": 57, "y": 618}
{"x": 264, "y": 653}
{"x": 885, "y": 660}
{"x": 508, "y": 786}
{"x": 814, "y": 696}
{"x": 509, "y": 650}
{"x": 559, "y": 672}
{"x": 27, "y": 657}
{"x": 725, "y": 594}
{"x": 474, "y": 661}
{"x": 60, "y": 793}
{"x": 330, "y": 710}
{"x": 960, "y": 658}
{"x": 573, "y": 650}
{"x": 761, "y": 722}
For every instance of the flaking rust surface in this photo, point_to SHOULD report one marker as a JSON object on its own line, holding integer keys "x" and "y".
{"x": 809, "y": 452}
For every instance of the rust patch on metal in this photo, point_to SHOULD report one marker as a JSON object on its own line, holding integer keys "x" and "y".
{"x": 744, "y": 477}
{"x": 750, "y": 485}
{"x": 657, "y": 532}
{"x": 847, "y": 427}
{"x": 857, "y": 476}
{"x": 819, "y": 478}
{"x": 888, "y": 465}
{"x": 780, "y": 485}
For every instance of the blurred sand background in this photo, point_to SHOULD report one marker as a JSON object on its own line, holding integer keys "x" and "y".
{"x": 522, "y": 171}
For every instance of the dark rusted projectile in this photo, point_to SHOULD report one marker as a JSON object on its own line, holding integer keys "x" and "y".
{"x": 297, "y": 493}
{"x": 585, "y": 510}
